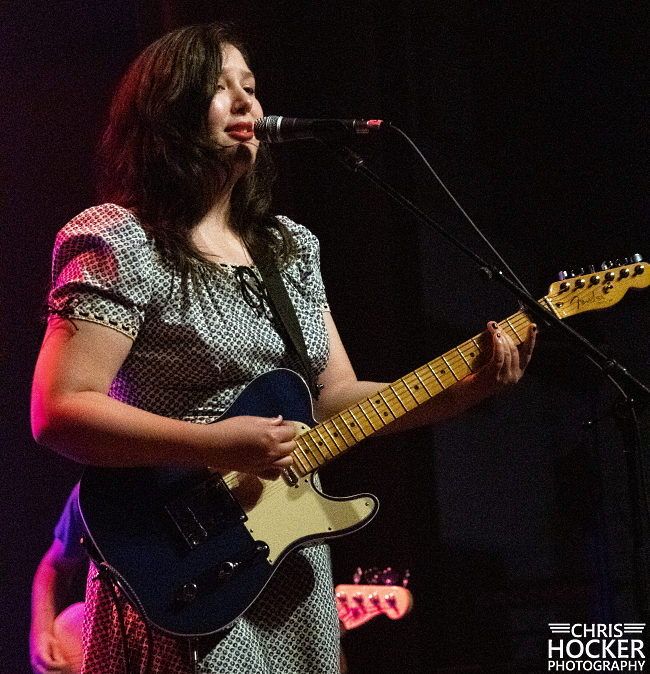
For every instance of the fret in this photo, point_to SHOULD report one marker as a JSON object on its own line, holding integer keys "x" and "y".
{"x": 321, "y": 443}
{"x": 299, "y": 453}
{"x": 435, "y": 374}
{"x": 310, "y": 449}
{"x": 523, "y": 321}
{"x": 393, "y": 402}
{"x": 479, "y": 348}
{"x": 367, "y": 405}
{"x": 344, "y": 431}
{"x": 516, "y": 334}
{"x": 335, "y": 438}
{"x": 422, "y": 393}
{"x": 449, "y": 367}
{"x": 412, "y": 400}
{"x": 470, "y": 354}
{"x": 462, "y": 355}
{"x": 355, "y": 424}
{"x": 381, "y": 405}
{"x": 330, "y": 442}
{"x": 548, "y": 303}
{"x": 458, "y": 365}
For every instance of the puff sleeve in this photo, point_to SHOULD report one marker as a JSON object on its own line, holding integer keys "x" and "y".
{"x": 305, "y": 275}
{"x": 102, "y": 269}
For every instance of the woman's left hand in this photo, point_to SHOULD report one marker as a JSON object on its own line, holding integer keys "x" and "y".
{"x": 508, "y": 361}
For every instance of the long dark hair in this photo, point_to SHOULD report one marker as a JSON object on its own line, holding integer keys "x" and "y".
{"x": 158, "y": 160}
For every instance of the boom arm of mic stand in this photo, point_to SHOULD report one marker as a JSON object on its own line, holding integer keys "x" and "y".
{"x": 637, "y": 391}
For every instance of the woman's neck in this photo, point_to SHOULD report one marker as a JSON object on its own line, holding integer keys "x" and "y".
{"x": 216, "y": 240}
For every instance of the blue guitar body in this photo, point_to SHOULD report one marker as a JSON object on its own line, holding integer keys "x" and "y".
{"x": 193, "y": 549}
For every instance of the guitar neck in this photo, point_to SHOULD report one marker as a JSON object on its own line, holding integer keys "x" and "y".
{"x": 327, "y": 440}
{"x": 331, "y": 438}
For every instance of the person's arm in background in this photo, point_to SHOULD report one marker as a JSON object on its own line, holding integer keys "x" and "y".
{"x": 55, "y": 635}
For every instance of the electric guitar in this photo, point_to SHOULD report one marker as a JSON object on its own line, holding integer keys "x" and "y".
{"x": 193, "y": 549}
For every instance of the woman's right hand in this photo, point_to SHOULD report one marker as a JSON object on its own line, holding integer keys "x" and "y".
{"x": 256, "y": 445}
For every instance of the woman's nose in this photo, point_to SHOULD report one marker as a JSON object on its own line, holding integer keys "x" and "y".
{"x": 242, "y": 101}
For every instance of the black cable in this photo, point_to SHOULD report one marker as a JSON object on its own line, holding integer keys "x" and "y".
{"x": 106, "y": 577}
{"x": 114, "y": 578}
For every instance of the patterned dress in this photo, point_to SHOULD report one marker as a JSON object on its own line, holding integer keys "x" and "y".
{"x": 195, "y": 348}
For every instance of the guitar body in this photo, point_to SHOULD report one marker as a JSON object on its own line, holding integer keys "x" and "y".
{"x": 194, "y": 549}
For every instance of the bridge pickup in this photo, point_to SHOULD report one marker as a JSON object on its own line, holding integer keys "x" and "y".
{"x": 205, "y": 511}
{"x": 218, "y": 575}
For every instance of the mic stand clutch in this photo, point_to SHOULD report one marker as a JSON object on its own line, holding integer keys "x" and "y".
{"x": 636, "y": 394}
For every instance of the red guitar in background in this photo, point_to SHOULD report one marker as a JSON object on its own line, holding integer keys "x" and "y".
{"x": 374, "y": 592}
{"x": 382, "y": 592}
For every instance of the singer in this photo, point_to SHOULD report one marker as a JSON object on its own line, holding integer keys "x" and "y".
{"x": 159, "y": 318}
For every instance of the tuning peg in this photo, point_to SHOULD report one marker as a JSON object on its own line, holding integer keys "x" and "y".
{"x": 561, "y": 275}
{"x": 608, "y": 264}
{"x": 636, "y": 258}
{"x": 592, "y": 269}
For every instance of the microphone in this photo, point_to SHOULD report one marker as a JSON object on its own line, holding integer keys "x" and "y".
{"x": 274, "y": 129}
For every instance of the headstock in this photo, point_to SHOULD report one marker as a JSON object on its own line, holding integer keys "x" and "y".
{"x": 358, "y": 603}
{"x": 597, "y": 290}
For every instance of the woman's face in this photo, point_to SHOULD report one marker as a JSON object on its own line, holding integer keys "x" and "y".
{"x": 234, "y": 109}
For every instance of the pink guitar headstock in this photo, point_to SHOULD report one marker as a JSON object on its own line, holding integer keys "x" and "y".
{"x": 359, "y": 603}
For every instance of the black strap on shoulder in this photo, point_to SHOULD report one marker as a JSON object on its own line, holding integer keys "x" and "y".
{"x": 285, "y": 313}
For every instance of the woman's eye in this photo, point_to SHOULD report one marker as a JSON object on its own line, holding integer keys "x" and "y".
{"x": 250, "y": 90}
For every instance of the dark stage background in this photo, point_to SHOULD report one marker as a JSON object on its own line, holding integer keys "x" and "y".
{"x": 535, "y": 114}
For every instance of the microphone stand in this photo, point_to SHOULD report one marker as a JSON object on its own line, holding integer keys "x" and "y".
{"x": 635, "y": 394}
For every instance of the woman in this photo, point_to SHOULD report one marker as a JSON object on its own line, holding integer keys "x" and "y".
{"x": 158, "y": 321}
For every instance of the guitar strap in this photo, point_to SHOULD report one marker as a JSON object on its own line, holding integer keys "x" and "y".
{"x": 285, "y": 314}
